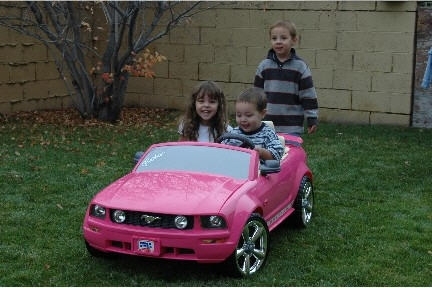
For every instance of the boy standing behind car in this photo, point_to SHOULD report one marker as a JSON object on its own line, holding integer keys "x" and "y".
{"x": 287, "y": 81}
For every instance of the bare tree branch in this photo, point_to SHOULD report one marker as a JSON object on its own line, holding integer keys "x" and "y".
{"x": 98, "y": 88}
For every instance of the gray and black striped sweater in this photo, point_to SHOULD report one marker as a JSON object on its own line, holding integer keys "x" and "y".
{"x": 291, "y": 95}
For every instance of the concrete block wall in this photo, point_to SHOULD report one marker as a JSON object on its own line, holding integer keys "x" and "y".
{"x": 28, "y": 76}
{"x": 361, "y": 54}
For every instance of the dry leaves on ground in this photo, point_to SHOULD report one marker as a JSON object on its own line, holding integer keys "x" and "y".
{"x": 71, "y": 117}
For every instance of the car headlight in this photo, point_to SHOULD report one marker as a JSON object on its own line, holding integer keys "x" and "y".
{"x": 180, "y": 222}
{"x": 119, "y": 216}
{"x": 213, "y": 221}
{"x": 97, "y": 211}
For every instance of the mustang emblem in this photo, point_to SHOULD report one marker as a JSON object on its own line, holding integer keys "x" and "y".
{"x": 148, "y": 219}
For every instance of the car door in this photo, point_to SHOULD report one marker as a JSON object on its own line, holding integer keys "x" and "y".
{"x": 275, "y": 193}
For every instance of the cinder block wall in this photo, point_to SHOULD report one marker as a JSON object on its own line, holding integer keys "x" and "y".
{"x": 28, "y": 76}
{"x": 361, "y": 54}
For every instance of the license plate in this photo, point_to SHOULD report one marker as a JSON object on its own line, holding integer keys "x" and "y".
{"x": 146, "y": 246}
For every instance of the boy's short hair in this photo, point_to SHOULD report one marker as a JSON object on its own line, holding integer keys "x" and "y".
{"x": 254, "y": 95}
{"x": 289, "y": 25}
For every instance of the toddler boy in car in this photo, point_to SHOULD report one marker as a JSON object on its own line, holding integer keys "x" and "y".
{"x": 250, "y": 110}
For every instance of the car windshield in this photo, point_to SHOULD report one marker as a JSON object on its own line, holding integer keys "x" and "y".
{"x": 205, "y": 159}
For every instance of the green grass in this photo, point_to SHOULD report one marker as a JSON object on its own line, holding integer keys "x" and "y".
{"x": 372, "y": 224}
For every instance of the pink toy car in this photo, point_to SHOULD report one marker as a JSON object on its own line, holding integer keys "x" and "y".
{"x": 206, "y": 202}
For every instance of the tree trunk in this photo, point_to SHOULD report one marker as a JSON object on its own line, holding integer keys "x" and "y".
{"x": 111, "y": 100}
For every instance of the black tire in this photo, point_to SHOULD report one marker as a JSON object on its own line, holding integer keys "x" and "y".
{"x": 303, "y": 204}
{"x": 97, "y": 253}
{"x": 252, "y": 248}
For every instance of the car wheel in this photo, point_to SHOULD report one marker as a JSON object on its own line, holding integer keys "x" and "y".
{"x": 97, "y": 253}
{"x": 252, "y": 248}
{"x": 304, "y": 203}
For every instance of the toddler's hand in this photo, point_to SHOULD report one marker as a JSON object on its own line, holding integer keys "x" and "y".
{"x": 312, "y": 129}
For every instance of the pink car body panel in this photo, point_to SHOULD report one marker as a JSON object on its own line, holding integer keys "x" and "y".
{"x": 195, "y": 194}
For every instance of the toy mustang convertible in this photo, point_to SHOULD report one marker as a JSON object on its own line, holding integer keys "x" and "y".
{"x": 207, "y": 202}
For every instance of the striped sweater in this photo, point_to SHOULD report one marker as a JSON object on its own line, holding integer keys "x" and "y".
{"x": 291, "y": 96}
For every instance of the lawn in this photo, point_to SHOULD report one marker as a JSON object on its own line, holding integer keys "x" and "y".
{"x": 372, "y": 224}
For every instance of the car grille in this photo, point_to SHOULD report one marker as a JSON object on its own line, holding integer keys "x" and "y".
{"x": 153, "y": 220}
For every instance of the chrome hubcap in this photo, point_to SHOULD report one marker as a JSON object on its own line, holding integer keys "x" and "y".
{"x": 252, "y": 248}
{"x": 307, "y": 203}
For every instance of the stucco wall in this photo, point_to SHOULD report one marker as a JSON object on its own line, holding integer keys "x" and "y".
{"x": 361, "y": 55}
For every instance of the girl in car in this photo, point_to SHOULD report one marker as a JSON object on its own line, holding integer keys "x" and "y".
{"x": 205, "y": 117}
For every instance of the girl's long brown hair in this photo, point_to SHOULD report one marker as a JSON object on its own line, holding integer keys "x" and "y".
{"x": 191, "y": 120}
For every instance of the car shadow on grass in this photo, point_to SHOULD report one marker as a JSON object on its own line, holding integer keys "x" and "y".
{"x": 174, "y": 272}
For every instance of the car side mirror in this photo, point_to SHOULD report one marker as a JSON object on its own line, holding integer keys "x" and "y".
{"x": 137, "y": 156}
{"x": 269, "y": 167}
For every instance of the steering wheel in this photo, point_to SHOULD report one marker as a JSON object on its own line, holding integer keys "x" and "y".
{"x": 245, "y": 141}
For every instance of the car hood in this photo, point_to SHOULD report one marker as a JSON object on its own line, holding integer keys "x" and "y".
{"x": 169, "y": 192}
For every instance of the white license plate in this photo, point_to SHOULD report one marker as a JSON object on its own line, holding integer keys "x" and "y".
{"x": 146, "y": 246}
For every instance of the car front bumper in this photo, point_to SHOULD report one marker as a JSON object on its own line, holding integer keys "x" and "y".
{"x": 201, "y": 245}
